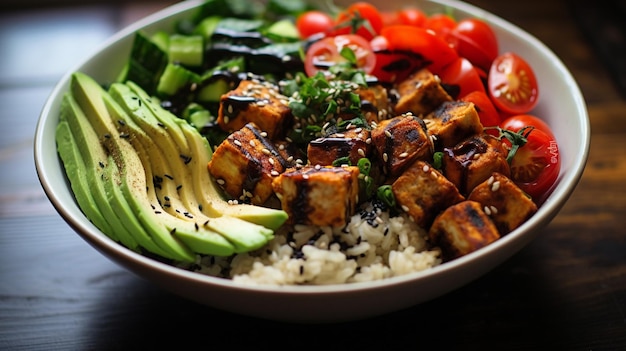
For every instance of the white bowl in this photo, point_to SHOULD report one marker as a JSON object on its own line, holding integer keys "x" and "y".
{"x": 561, "y": 104}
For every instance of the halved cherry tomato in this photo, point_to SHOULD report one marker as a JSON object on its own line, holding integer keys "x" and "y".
{"x": 364, "y": 16}
{"x": 432, "y": 51}
{"x": 489, "y": 116}
{"x": 518, "y": 122}
{"x": 512, "y": 84}
{"x": 460, "y": 78}
{"x": 536, "y": 165}
{"x": 326, "y": 52}
{"x": 313, "y": 22}
{"x": 475, "y": 40}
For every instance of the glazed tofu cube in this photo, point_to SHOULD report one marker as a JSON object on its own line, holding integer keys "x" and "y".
{"x": 320, "y": 196}
{"x": 423, "y": 192}
{"x": 474, "y": 160}
{"x": 256, "y": 102}
{"x": 421, "y": 93}
{"x": 351, "y": 144}
{"x": 245, "y": 164}
{"x": 506, "y": 204}
{"x": 400, "y": 141}
{"x": 461, "y": 229}
{"x": 452, "y": 122}
{"x": 375, "y": 103}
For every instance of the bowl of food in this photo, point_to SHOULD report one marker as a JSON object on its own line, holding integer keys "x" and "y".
{"x": 282, "y": 164}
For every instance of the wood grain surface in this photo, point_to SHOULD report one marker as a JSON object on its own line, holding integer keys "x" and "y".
{"x": 565, "y": 291}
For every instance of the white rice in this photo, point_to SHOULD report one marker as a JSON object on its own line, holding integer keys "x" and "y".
{"x": 372, "y": 246}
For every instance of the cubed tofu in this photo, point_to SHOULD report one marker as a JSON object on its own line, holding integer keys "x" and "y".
{"x": 352, "y": 144}
{"x": 258, "y": 102}
{"x": 474, "y": 160}
{"x": 320, "y": 196}
{"x": 506, "y": 204}
{"x": 461, "y": 229}
{"x": 452, "y": 122}
{"x": 245, "y": 164}
{"x": 375, "y": 103}
{"x": 400, "y": 141}
{"x": 422, "y": 192}
{"x": 421, "y": 93}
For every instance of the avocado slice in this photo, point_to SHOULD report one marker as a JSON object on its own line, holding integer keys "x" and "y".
{"x": 95, "y": 161}
{"x": 90, "y": 98}
{"x": 190, "y": 229}
{"x": 75, "y": 170}
{"x": 167, "y": 130}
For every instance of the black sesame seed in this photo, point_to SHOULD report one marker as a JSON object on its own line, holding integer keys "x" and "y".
{"x": 168, "y": 176}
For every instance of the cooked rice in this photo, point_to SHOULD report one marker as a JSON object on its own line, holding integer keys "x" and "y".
{"x": 372, "y": 246}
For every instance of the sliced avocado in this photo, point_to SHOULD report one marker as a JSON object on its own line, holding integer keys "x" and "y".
{"x": 75, "y": 170}
{"x": 90, "y": 97}
{"x": 243, "y": 235}
{"x": 95, "y": 161}
{"x": 194, "y": 232}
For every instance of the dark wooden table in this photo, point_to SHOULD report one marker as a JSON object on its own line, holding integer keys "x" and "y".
{"x": 564, "y": 291}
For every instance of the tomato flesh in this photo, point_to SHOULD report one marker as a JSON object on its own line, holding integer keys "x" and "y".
{"x": 326, "y": 52}
{"x": 536, "y": 165}
{"x": 512, "y": 84}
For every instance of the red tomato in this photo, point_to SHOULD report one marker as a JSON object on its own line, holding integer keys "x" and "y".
{"x": 432, "y": 51}
{"x": 326, "y": 52}
{"x": 489, "y": 116}
{"x": 535, "y": 166}
{"x": 512, "y": 84}
{"x": 440, "y": 23}
{"x": 517, "y": 122}
{"x": 313, "y": 22}
{"x": 475, "y": 40}
{"x": 461, "y": 78}
{"x": 392, "y": 65}
{"x": 349, "y": 20}
{"x": 412, "y": 17}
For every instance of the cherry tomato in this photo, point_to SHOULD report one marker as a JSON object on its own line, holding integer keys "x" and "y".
{"x": 313, "y": 22}
{"x": 512, "y": 84}
{"x": 489, "y": 116}
{"x": 440, "y": 23}
{"x": 368, "y": 29}
{"x": 536, "y": 165}
{"x": 432, "y": 51}
{"x": 412, "y": 17}
{"x": 326, "y": 52}
{"x": 475, "y": 40}
{"x": 517, "y": 122}
{"x": 461, "y": 78}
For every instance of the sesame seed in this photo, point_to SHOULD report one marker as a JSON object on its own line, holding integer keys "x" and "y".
{"x": 226, "y": 119}
{"x": 252, "y": 143}
{"x": 318, "y": 167}
{"x": 490, "y": 180}
{"x": 274, "y": 173}
{"x": 361, "y": 152}
{"x": 271, "y": 161}
{"x": 388, "y": 133}
{"x": 305, "y": 176}
{"x": 405, "y": 208}
{"x": 487, "y": 211}
{"x": 493, "y": 209}
{"x": 229, "y": 109}
{"x": 385, "y": 157}
{"x": 425, "y": 168}
{"x": 221, "y": 181}
{"x": 266, "y": 151}
{"x": 237, "y": 142}
{"x": 495, "y": 186}
{"x": 403, "y": 155}
{"x": 264, "y": 134}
